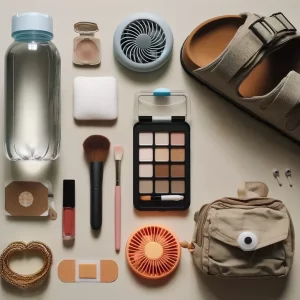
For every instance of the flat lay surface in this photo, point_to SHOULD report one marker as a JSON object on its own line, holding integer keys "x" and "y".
{"x": 227, "y": 147}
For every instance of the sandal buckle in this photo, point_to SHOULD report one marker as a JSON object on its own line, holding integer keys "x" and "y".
{"x": 270, "y": 29}
{"x": 289, "y": 27}
{"x": 270, "y": 33}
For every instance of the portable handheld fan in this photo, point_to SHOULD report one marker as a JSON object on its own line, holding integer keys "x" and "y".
{"x": 143, "y": 42}
{"x": 153, "y": 252}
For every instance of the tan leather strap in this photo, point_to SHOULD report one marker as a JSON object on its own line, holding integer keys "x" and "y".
{"x": 253, "y": 39}
{"x": 282, "y": 104}
{"x": 288, "y": 96}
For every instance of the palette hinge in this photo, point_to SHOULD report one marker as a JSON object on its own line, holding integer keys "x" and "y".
{"x": 162, "y": 118}
{"x": 178, "y": 119}
{"x": 145, "y": 119}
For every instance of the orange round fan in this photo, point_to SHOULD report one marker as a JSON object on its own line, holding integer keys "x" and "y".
{"x": 153, "y": 252}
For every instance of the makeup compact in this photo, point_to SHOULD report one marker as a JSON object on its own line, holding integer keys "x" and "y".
{"x": 161, "y": 142}
{"x": 86, "y": 49}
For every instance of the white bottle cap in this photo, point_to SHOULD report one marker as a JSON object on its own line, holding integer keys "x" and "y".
{"x": 32, "y": 21}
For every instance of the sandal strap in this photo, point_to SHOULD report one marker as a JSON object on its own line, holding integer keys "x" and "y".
{"x": 257, "y": 36}
{"x": 282, "y": 105}
{"x": 287, "y": 102}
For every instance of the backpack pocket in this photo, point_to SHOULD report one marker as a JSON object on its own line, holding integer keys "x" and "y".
{"x": 245, "y": 242}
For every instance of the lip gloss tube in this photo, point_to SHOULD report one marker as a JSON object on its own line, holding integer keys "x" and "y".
{"x": 68, "y": 228}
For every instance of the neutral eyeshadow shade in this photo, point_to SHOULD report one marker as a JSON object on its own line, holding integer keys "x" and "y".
{"x": 146, "y": 170}
{"x": 162, "y": 138}
{"x": 162, "y": 170}
{"x": 146, "y": 186}
{"x": 177, "y": 171}
{"x": 177, "y": 155}
{"x": 177, "y": 187}
{"x": 162, "y": 154}
{"x": 146, "y": 138}
{"x": 162, "y": 186}
{"x": 146, "y": 154}
{"x": 177, "y": 138}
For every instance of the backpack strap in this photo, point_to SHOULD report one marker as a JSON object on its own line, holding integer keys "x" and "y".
{"x": 252, "y": 189}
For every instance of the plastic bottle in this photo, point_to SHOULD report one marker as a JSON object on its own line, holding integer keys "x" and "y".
{"x": 32, "y": 95}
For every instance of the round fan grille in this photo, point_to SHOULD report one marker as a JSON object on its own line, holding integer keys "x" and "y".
{"x": 143, "y": 41}
{"x": 153, "y": 252}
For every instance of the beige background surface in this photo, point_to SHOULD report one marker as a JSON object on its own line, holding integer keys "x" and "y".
{"x": 228, "y": 147}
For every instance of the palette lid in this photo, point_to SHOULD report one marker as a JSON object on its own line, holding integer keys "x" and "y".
{"x": 86, "y": 27}
{"x": 162, "y": 105}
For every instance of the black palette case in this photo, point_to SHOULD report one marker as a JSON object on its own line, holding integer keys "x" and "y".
{"x": 161, "y": 158}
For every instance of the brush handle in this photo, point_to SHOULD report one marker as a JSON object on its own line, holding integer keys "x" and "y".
{"x": 96, "y": 175}
{"x": 118, "y": 218}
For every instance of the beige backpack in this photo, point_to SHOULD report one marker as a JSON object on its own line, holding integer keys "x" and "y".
{"x": 249, "y": 236}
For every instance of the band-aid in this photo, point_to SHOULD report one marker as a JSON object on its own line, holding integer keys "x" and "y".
{"x": 88, "y": 271}
{"x": 29, "y": 199}
{"x": 73, "y": 271}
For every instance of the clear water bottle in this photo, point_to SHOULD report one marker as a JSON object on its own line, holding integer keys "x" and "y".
{"x": 32, "y": 90}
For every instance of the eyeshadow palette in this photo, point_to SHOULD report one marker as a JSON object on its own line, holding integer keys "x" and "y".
{"x": 161, "y": 155}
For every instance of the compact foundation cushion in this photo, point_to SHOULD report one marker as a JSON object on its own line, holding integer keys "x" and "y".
{"x": 95, "y": 98}
{"x": 86, "y": 48}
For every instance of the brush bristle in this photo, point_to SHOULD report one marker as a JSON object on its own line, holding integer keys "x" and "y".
{"x": 119, "y": 150}
{"x": 96, "y": 148}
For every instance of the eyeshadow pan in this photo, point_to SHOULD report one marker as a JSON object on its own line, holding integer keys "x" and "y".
{"x": 162, "y": 138}
{"x": 162, "y": 170}
{"x": 162, "y": 154}
{"x": 162, "y": 186}
{"x": 177, "y": 139}
{"x": 146, "y": 154}
{"x": 146, "y": 171}
{"x": 146, "y": 138}
{"x": 177, "y": 187}
{"x": 146, "y": 186}
{"x": 177, "y": 154}
{"x": 177, "y": 171}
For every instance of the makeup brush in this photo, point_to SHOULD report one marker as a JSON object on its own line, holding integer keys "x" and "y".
{"x": 96, "y": 148}
{"x": 119, "y": 150}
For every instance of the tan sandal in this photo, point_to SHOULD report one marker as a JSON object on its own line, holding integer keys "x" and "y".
{"x": 252, "y": 61}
